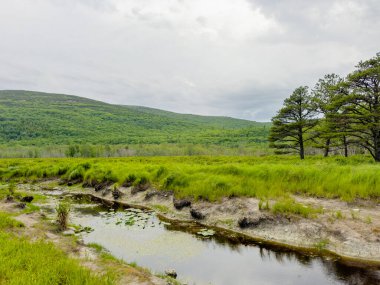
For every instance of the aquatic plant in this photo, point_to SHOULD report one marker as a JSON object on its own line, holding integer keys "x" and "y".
{"x": 63, "y": 210}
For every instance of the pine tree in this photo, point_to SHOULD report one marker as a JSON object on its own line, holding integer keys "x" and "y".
{"x": 293, "y": 123}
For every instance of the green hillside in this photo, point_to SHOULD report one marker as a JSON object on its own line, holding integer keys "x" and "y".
{"x": 35, "y": 118}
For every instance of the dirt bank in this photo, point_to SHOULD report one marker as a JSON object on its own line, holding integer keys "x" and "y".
{"x": 350, "y": 230}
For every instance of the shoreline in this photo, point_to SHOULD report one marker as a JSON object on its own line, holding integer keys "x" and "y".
{"x": 281, "y": 233}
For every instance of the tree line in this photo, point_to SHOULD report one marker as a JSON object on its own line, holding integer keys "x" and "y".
{"x": 337, "y": 113}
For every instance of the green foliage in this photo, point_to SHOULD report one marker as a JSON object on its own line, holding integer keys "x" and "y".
{"x": 294, "y": 122}
{"x": 89, "y": 128}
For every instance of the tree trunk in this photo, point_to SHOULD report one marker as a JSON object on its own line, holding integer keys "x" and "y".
{"x": 302, "y": 150}
{"x": 345, "y": 144}
{"x": 376, "y": 143}
{"x": 327, "y": 148}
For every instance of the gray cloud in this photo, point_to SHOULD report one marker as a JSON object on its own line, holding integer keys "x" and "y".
{"x": 215, "y": 57}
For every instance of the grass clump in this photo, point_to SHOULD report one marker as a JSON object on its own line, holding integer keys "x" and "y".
{"x": 322, "y": 244}
{"x": 7, "y": 222}
{"x": 290, "y": 206}
{"x": 63, "y": 210}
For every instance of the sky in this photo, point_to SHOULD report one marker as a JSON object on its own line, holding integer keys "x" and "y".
{"x": 238, "y": 58}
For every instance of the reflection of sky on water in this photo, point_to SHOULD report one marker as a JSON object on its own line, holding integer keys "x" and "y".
{"x": 205, "y": 261}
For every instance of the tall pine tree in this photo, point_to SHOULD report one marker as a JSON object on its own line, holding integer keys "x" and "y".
{"x": 293, "y": 123}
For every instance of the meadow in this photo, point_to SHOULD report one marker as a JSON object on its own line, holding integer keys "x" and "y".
{"x": 213, "y": 177}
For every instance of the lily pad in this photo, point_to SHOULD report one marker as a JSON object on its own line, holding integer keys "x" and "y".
{"x": 206, "y": 232}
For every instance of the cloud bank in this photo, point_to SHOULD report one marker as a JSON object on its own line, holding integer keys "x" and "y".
{"x": 213, "y": 57}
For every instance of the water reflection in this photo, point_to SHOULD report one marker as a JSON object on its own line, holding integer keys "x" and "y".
{"x": 197, "y": 260}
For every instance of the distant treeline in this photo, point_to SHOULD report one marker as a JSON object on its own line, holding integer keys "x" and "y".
{"x": 338, "y": 114}
{"x": 90, "y": 150}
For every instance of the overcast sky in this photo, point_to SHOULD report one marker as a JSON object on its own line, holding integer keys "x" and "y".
{"x": 238, "y": 58}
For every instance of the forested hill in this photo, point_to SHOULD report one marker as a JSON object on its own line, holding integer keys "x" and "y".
{"x": 35, "y": 118}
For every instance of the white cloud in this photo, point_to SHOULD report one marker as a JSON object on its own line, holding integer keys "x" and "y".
{"x": 218, "y": 57}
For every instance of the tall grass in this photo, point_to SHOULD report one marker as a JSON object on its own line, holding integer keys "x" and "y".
{"x": 23, "y": 262}
{"x": 34, "y": 263}
{"x": 63, "y": 210}
{"x": 215, "y": 177}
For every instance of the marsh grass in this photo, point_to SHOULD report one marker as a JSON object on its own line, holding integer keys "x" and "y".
{"x": 7, "y": 222}
{"x": 63, "y": 210}
{"x": 34, "y": 263}
{"x": 23, "y": 262}
{"x": 290, "y": 206}
{"x": 212, "y": 178}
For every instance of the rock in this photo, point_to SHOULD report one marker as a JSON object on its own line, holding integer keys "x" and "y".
{"x": 171, "y": 273}
{"x": 9, "y": 199}
{"x": 255, "y": 221}
{"x": 163, "y": 194}
{"x": 196, "y": 214}
{"x": 140, "y": 188}
{"x": 116, "y": 193}
{"x": 27, "y": 199}
{"x": 180, "y": 204}
{"x": 100, "y": 186}
{"x": 21, "y": 205}
{"x": 150, "y": 194}
{"x": 106, "y": 192}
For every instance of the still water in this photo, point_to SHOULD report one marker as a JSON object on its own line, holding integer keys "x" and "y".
{"x": 137, "y": 236}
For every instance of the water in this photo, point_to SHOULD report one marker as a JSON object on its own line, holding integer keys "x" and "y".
{"x": 140, "y": 237}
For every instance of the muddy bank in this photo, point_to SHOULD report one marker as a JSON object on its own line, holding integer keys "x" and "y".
{"x": 347, "y": 230}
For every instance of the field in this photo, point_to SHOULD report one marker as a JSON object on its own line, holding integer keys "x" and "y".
{"x": 211, "y": 178}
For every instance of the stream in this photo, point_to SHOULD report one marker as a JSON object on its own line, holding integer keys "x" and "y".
{"x": 199, "y": 258}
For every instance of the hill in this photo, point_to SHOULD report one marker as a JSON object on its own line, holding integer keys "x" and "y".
{"x": 36, "y": 118}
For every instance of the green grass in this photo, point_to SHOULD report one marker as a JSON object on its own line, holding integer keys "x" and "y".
{"x": 24, "y": 262}
{"x": 215, "y": 177}
{"x": 289, "y": 206}
{"x": 7, "y": 222}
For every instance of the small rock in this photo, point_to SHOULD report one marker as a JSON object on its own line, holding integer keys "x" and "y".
{"x": 116, "y": 193}
{"x": 196, "y": 214}
{"x": 246, "y": 222}
{"x": 179, "y": 204}
{"x": 150, "y": 194}
{"x": 21, "y": 205}
{"x": 171, "y": 273}
{"x": 9, "y": 199}
{"x": 27, "y": 199}
{"x": 140, "y": 188}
